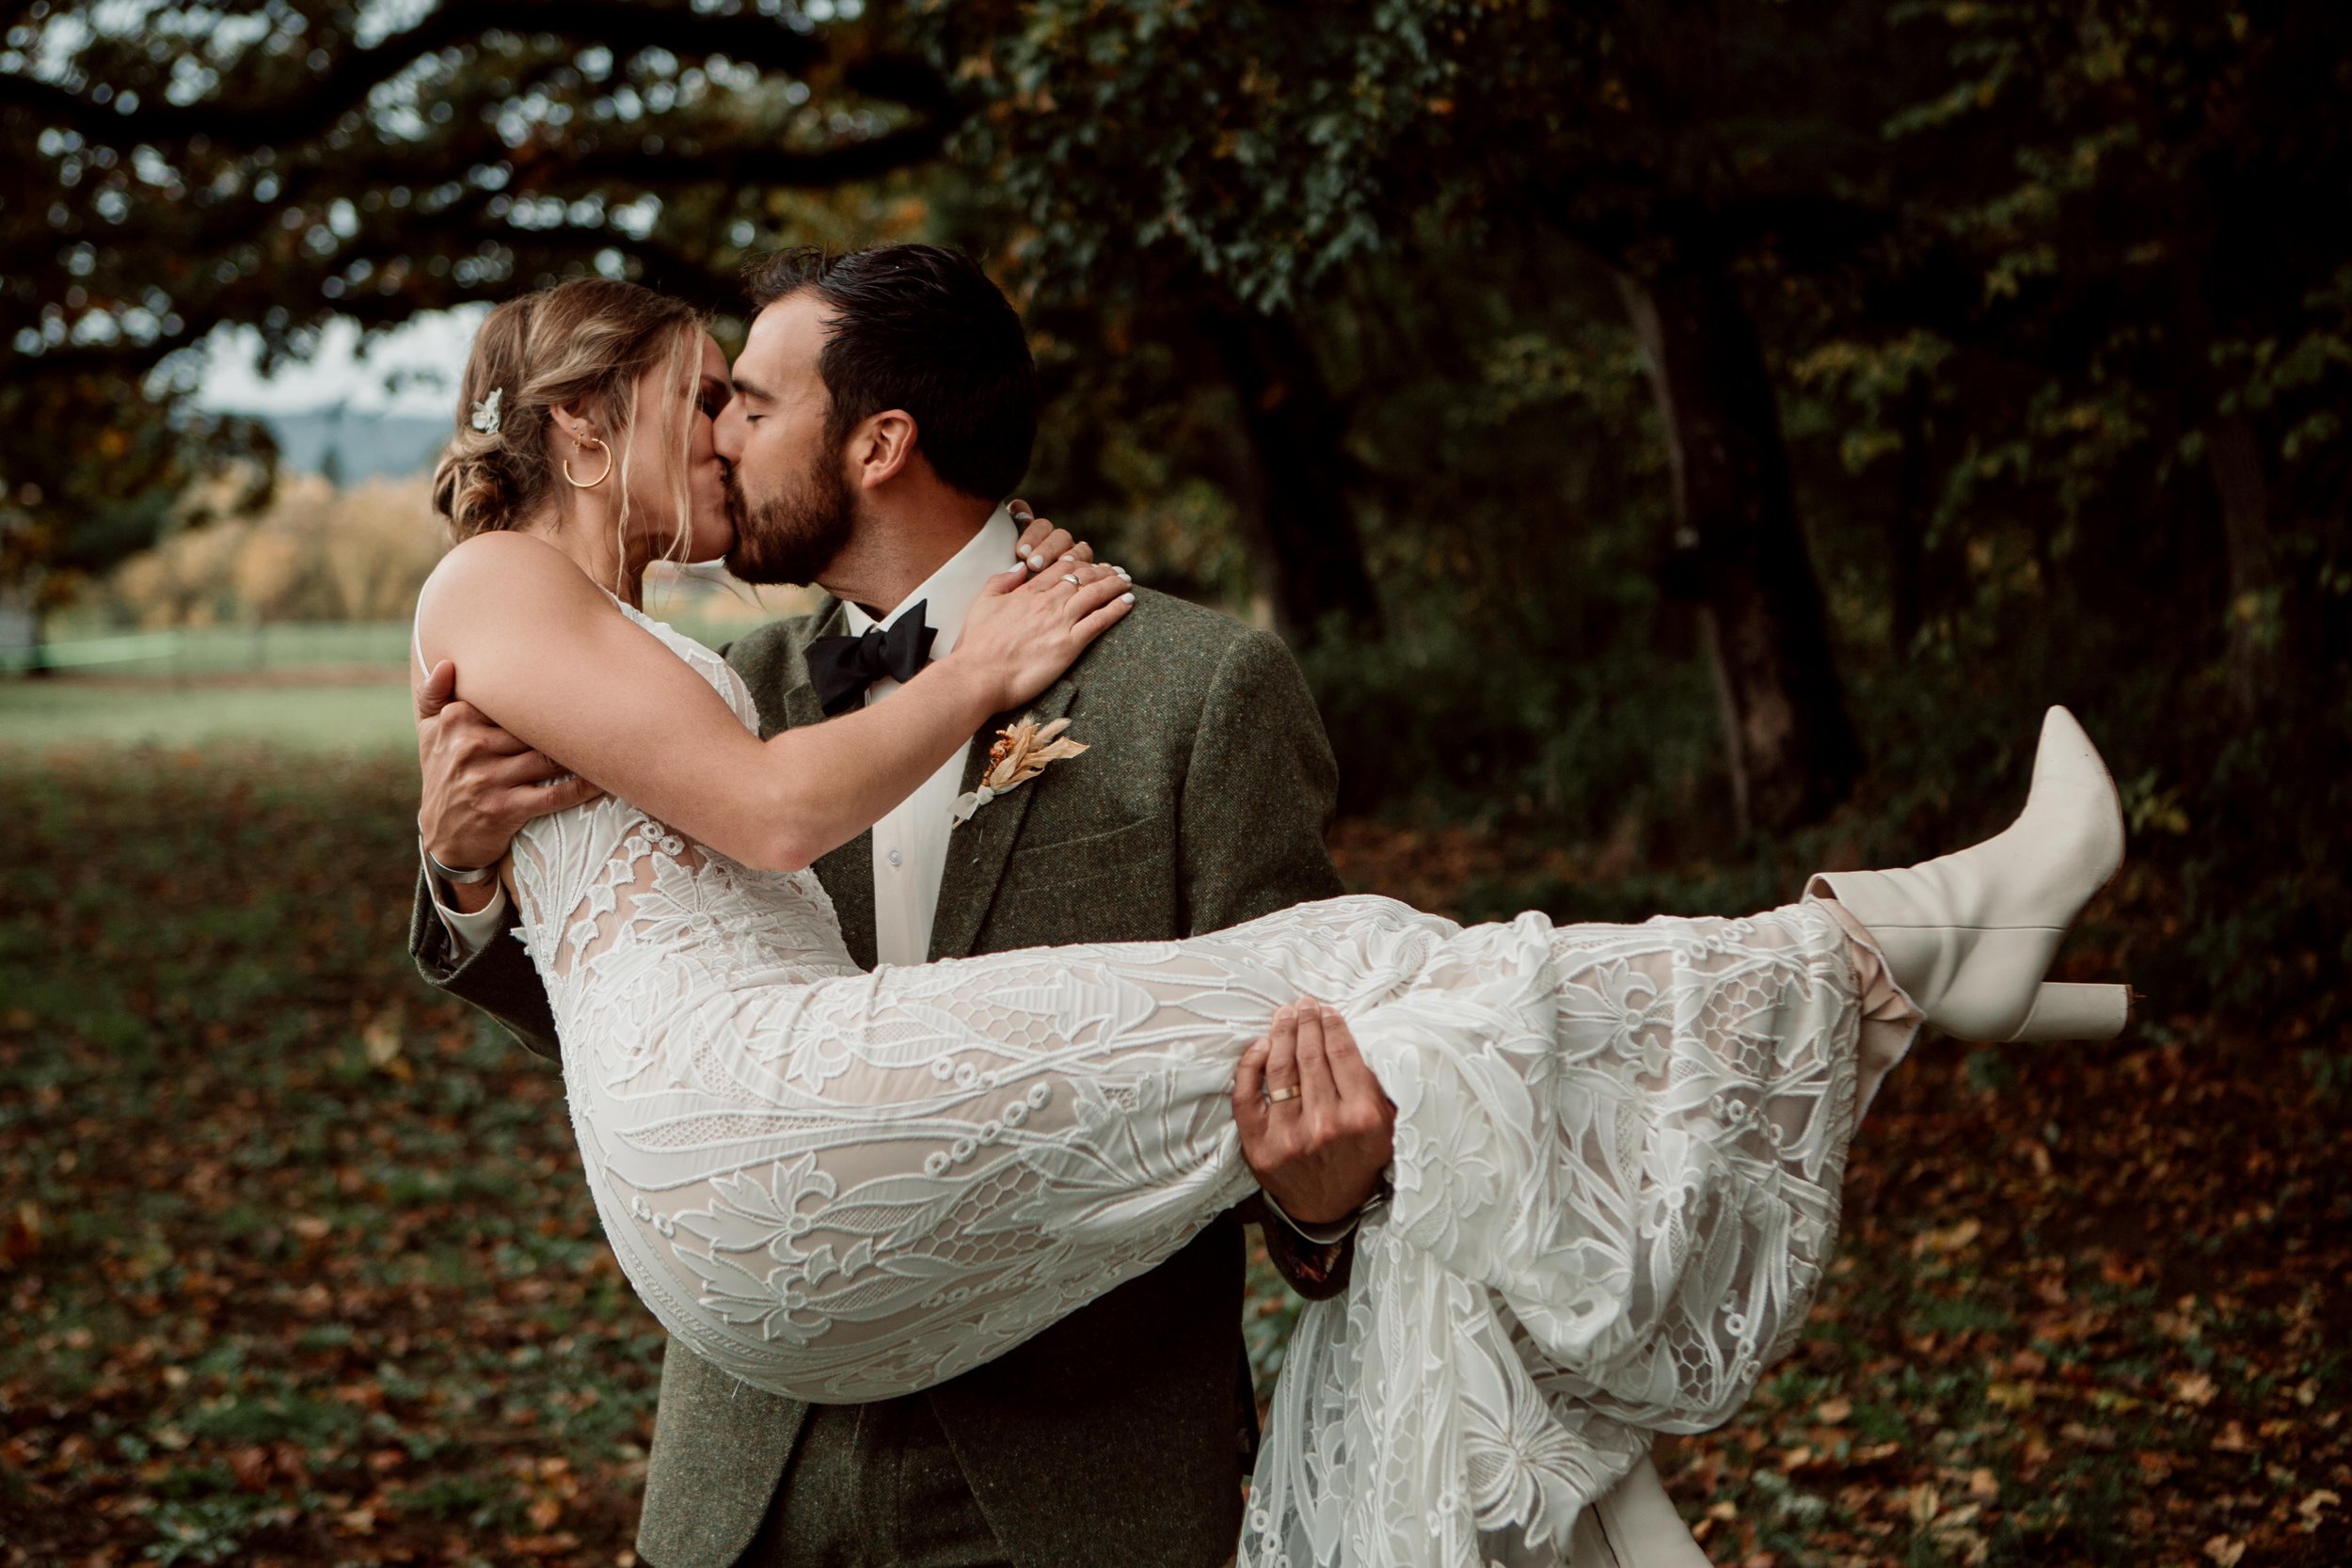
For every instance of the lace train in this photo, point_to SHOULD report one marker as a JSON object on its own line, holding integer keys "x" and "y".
{"x": 1614, "y": 1204}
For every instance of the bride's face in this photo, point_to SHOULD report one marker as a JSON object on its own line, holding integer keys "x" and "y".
{"x": 668, "y": 413}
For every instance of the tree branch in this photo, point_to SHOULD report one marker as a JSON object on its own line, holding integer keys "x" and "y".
{"x": 906, "y": 79}
{"x": 759, "y": 164}
{"x": 625, "y": 26}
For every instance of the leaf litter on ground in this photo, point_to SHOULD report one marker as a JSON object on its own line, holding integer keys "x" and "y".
{"x": 299, "y": 1268}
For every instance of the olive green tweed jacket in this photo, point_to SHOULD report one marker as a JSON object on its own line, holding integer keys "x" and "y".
{"x": 1115, "y": 1438}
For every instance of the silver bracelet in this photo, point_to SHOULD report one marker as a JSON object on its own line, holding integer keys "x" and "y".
{"x": 1345, "y": 1224}
{"x": 465, "y": 877}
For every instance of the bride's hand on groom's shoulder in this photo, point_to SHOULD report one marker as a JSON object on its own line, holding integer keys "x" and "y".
{"x": 1042, "y": 543}
{"x": 1029, "y": 625}
{"x": 481, "y": 785}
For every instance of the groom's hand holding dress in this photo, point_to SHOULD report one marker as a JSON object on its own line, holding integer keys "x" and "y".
{"x": 1314, "y": 1123}
{"x": 482, "y": 784}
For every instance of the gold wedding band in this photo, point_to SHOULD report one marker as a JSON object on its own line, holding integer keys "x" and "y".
{"x": 1276, "y": 1097}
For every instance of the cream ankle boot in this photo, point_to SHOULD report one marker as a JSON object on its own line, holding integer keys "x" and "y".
{"x": 1634, "y": 1525}
{"x": 1967, "y": 937}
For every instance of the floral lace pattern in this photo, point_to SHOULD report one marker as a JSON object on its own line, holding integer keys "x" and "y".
{"x": 1618, "y": 1157}
{"x": 1616, "y": 1195}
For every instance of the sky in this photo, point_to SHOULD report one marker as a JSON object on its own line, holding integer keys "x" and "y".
{"x": 423, "y": 357}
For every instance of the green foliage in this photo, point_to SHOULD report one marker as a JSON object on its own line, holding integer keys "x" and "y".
{"x": 2056, "y": 321}
{"x": 209, "y": 1530}
{"x": 95, "y": 468}
{"x": 1245, "y": 143}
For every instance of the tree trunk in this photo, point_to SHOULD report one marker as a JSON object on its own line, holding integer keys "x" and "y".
{"x": 23, "y": 634}
{"x": 1907, "y": 529}
{"x": 2256, "y": 662}
{"x": 1314, "y": 558}
{"x": 1792, "y": 749}
{"x": 2256, "y": 613}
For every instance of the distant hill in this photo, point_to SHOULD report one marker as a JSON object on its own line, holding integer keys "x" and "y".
{"x": 349, "y": 446}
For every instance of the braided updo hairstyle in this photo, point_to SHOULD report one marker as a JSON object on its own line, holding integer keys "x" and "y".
{"x": 584, "y": 343}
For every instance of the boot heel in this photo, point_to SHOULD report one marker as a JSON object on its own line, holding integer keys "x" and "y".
{"x": 2064, "y": 1012}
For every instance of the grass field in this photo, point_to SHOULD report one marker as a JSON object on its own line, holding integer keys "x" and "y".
{"x": 359, "y": 716}
{"x": 331, "y": 687}
{"x": 299, "y": 1269}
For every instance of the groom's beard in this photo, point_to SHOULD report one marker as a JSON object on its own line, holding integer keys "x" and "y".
{"x": 789, "y": 537}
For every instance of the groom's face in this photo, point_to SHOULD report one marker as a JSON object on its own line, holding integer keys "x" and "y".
{"x": 788, "y": 487}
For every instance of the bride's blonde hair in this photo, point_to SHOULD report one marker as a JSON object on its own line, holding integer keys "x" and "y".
{"x": 584, "y": 343}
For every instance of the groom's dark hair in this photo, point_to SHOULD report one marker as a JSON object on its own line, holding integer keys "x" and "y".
{"x": 919, "y": 327}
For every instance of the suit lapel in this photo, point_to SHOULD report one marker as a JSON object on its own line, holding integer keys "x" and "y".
{"x": 800, "y": 706}
{"x": 847, "y": 872}
{"x": 977, "y": 851}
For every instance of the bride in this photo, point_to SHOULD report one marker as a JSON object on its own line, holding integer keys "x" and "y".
{"x": 1619, "y": 1149}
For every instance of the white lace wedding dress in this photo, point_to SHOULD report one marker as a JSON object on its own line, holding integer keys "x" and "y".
{"x": 1619, "y": 1156}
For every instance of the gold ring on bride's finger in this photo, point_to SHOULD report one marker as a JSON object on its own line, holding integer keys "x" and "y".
{"x": 1276, "y": 1097}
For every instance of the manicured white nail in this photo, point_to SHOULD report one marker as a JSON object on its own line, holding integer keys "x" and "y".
{"x": 1126, "y": 598}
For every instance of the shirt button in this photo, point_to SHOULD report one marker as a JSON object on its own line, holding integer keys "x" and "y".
{"x": 895, "y": 857}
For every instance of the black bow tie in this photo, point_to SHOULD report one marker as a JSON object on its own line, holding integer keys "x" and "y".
{"x": 841, "y": 668}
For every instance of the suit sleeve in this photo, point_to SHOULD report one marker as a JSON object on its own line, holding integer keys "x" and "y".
{"x": 1258, "y": 797}
{"x": 1258, "y": 793}
{"x": 1316, "y": 1270}
{"x": 499, "y": 980}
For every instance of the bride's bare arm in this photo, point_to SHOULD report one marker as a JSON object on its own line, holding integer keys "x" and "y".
{"x": 547, "y": 656}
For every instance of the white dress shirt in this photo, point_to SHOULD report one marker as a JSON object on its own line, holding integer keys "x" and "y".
{"x": 911, "y": 840}
{"x": 473, "y": 933}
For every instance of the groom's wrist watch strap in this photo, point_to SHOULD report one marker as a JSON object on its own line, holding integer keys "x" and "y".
{"x": 1336, "y": 1230}
{"x": 460, "y": 876}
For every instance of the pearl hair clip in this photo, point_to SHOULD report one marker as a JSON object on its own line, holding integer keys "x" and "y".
{"x": 486, "y": 412}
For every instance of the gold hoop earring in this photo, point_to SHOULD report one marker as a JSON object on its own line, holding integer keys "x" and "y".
{"x": 581, "y": 444}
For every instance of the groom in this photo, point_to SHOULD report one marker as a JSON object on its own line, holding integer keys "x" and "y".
{"x": 885, "y": 404}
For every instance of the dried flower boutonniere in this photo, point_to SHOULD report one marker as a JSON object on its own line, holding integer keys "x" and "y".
{"x": 1020, "y": 755}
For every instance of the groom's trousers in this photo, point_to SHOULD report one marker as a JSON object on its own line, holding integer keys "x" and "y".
{"x": 874, "y": 1486}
